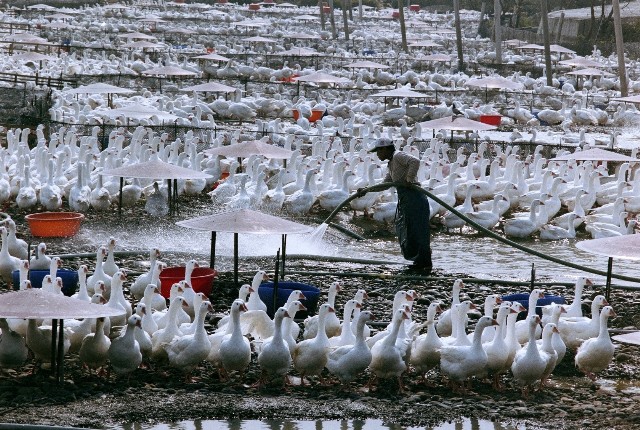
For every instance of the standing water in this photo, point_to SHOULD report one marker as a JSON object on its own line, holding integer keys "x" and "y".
{"x": 462, "y": 424}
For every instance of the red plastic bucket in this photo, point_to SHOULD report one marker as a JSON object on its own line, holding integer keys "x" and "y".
{"x": 414, "y": 8}
{"x": 254, "y": 6}
{"x": 201, "y": 279}
{"x": 491, "y": 119}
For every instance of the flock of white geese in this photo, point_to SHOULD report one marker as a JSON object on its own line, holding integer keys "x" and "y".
{"x": 149, "y": 331}
{"x": 524, "y": 195}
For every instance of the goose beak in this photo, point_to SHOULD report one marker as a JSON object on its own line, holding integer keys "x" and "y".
{"x": 588, "y": 281}
{"x": 251, "y": 290}
{"x": 302, "y": 297}
{"x": 302, "y": 307}
{"x": 358, "y": 306}
{"x": 331, "y": 309}
{"x": 494, "y": 322}
{"x": 209, "y": 307}
{"x": 243, "y": 308}
{"x": 498, "y": 300}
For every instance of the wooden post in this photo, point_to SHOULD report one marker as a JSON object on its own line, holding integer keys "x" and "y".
{"x": 560, "y": 25}
{"x": 483, "y": 10}
{"x": 547, "y": 42}
{"x": 332, "y": 21}
{"x": 360, "y": 10}
{"x": 345, "y": 20}
{"x": 497, "y": 29}
{"x": 617, "y": 26}
{"x": 456, "y": 11}
{"x": 403, "y": 28}
{"x": 320, "y": 2}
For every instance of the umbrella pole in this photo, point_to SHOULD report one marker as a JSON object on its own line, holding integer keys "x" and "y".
{"x": 120, "y": 197}
{"x": 284, "y": 253}
{"x": 275, "y": 283}
{"x": 212, "y": 258}
{"x": 235, "y": 258}
{"x": 59, "y": 363}
{"x": 54, "y": 349}
{"x": 607, "y": 292}
{"x": 169, "y": 199}
{"x": 175, "y": 195}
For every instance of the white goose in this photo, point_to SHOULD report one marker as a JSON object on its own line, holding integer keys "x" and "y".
{"x": 274, "y": 358}
{"x": 460, "y": 362}
{"x": 124, "y": 352}
{"x": 218, "y": 336}
{"x": 346, "y": 335}
{"x": 40, "y": 261}
{"x": 187, "y": 351}
{"x": 576, "y": 330}
{"x": 164, "y": 336}
{"x": 82, "y": 293}
{"x": 497, "y": 349}
{"x": 387, "y": 356}
{"x": 94, "y": 350}
{"x": 554, "y": 232}
{"x": 546, "y": 346}
{"x": 552, "y": 316}
{"x": 255, "y": 303}
{"x": 109, "y": 266}
{"x": 17, "y": 247}
{"x": 529, "y": 364}
{"x": 347, "y": 362}
{"x": 235, "y": 349}
{"x": 595, "y": 354}
{"x": 443, "y": 326}
{"x": 523, "y": 227}
{"x": 140, "y": 284}
{"x": 425, "y": 352}
{"x": 8, "y": 263}
{"x": 13, "y": 348}
{"x": 522, "y": 327}
{"x": 575, "y": 308}
{"x": 332, "y": 323}
{"x": 310, "y": 356}
{"x": 99, "y": 275}
{"x": 38, "y": 340}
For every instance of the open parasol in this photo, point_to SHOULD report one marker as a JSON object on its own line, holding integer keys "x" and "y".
{"x": 244, "y": 221}
{"x": 155, "y": 169}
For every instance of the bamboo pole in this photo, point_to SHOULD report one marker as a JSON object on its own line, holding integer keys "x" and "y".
{"x": 456, "y": 12}
{"x": 617, "y": 25}
{"x": 497, "y": 29}
{"x": 547, "y": 42}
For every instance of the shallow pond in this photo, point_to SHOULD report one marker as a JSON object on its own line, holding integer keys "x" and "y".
{"x": 463, "y": 424}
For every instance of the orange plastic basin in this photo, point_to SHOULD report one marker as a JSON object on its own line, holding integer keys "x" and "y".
{"x": 316, "y": 115}
{"x": 254, "y": 6}
{"x": 54, "y": 224}
{"x": 201, "y": 279}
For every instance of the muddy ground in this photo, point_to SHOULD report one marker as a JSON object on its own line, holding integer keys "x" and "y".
{"x": 161, "y": 394}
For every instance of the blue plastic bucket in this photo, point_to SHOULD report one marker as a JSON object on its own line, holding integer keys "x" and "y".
{"x": 523, "y": 299}
{"x": 69, "y": 279}
{"x": 312, "y": 294}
